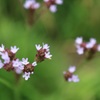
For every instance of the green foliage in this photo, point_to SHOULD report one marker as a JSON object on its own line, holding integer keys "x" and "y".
{"x": 73, "y": 18}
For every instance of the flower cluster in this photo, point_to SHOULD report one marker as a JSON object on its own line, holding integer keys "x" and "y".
{"x": 52, "y": 4}
{"x": 69, "y": 76}
{"x": 10, "y": 62}
{"x": 43, "y": 52}
{"x": 90, "y": 46}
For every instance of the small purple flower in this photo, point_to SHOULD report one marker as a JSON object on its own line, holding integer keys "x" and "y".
{"x": 52, "y": 4}
{"x": 34, "y": 63}
{"x": 69, "y": 76}
{"x": 25, "y": 61}
{"x": 31, "y": 4}
{"x": 5, "y": 57}
{"x": 14, "y": 49}
{"x": 2, "y": 48}
{"x": 26, "y": 75}
{"x": 38, "y": 47}
{"x": 43, "y": 52}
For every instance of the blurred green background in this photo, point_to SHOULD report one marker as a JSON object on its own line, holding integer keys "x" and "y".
{"x": 74, "y": 18}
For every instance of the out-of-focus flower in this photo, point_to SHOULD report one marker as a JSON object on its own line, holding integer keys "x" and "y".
{"x": 91, "y": 47}
{"x": 69, "y": 76}
{"x": 52, "y": 4}
{"x": 79, "y": 40}
{"x": 31, "y": 4}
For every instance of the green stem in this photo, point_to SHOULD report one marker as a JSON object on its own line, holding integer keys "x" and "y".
{"x": 16, "y": 93}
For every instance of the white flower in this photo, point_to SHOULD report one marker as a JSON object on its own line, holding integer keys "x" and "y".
{"x": 25, "y": 61}
{"x": 53, "y": 8}
{"x": 48, "y": 55}
{"x": 18, "y": 70}
{"x": 45, "y": 46}
{"x": 26, "y": 75}
{"x": 92, "y": 41}
{"x": 45, "y": 0}
{"x": 14, "y": 49}
{"x": 98, "y": 47}
{"x": 28, "y": 3}
{"x": 72, "y": 69}
{"x": 34, "y": 63}
{"x": 89, "y": 45}
{"x": 2, "y": 48}
{"x": 36, "y": 5}
{"x": 79, "y": 40}
{"x": 74, "y": 78}
{"x": 1, "y": 64}
{"x": 5, "y": 57}
{"x": 31, "y": 4}
{"x": 16, "y": 63}
{"x": 59, "y": 2}
{"x": 38, "y": 47}
{"x": 18, "y": 66}
{"x": 80, "y": 50}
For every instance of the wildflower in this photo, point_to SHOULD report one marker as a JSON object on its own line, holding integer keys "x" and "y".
{"x": 69, "y": 76}
{"x": 2, "y": 48}
{"x": 79, "y": 40}
{"x": 38, "y": 47}
{"x": 31, "y": 4}
{"x": 52, "y": 4}
{"x": 90, "y": 47}
{"x": 25, "y": 61}
{"x": 53, "y": 8}
{"x": 16, "y": 63}
{"x": 14, "y": 49}
{"x": 43, "y": 52}
{"x": 26, "y": 75}
{"x": 5, "y": 57}
{"x": 34, "y": 63}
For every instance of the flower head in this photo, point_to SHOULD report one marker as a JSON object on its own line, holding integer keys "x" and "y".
{"x": 52, "y": 4}
{"x": 43, "y": 52}
{"x": 69, "y": 76}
